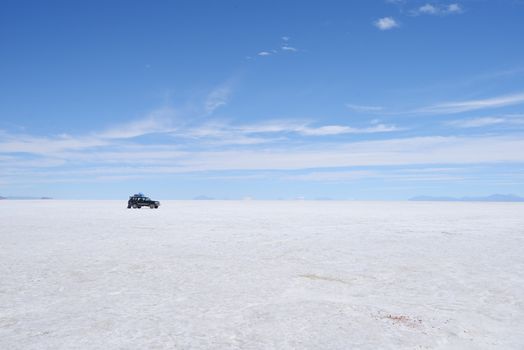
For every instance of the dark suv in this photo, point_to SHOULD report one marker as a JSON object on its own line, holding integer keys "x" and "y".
{"x": 138, "y": 201}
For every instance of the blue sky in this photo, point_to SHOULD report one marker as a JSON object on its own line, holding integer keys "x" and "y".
{"x": 262, "y": 99}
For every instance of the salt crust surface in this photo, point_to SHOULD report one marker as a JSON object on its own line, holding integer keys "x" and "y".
{"x": 261, "y": 275}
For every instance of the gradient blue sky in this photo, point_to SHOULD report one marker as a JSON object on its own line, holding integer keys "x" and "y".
{"x": 263, "y": 99}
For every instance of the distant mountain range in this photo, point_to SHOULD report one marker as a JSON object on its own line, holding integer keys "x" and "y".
{"x": 203, "y": 198}
{"x": 22, "y": 197}
{"x": 491, "y": 198}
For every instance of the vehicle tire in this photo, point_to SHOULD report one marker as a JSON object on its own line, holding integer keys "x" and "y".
{"x": 135, "y": 206}
{"x": 152, "y": 206}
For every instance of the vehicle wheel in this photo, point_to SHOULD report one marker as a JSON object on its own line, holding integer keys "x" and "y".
{"x": 135, "y": 206}
{"x": 152, "y": 206}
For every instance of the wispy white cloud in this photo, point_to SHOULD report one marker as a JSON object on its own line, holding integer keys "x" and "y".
{"x": 109, "y": 143}
{"x": 472, "y": 105}
{"x": 362, "y": 108}
{"x": 419, "y": 150}
{"x": 275, "y": 128}
{"x": 386, "y": 23}
{"x": 165, "y": 159}
{"x": 21, "y": 143}
{"x": 476, "y": 122}
{"x": 158, "y": 121}
{"x": 325, "y": 130}
{"x": 437, "y": 9}
{"x": 197, "y": 146}
{"x": 428, "y": 9}
{"x": 341, "y": 129}
{"x": 454, "y": 8}
{"x": 487, "y": 121}
{"x": 333, "y": 176}
{"x": 425, "y": 174}
{"x": 285, "y": 47}
{"x": 218, "y": 97}
{"x": 221, "y": 134}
